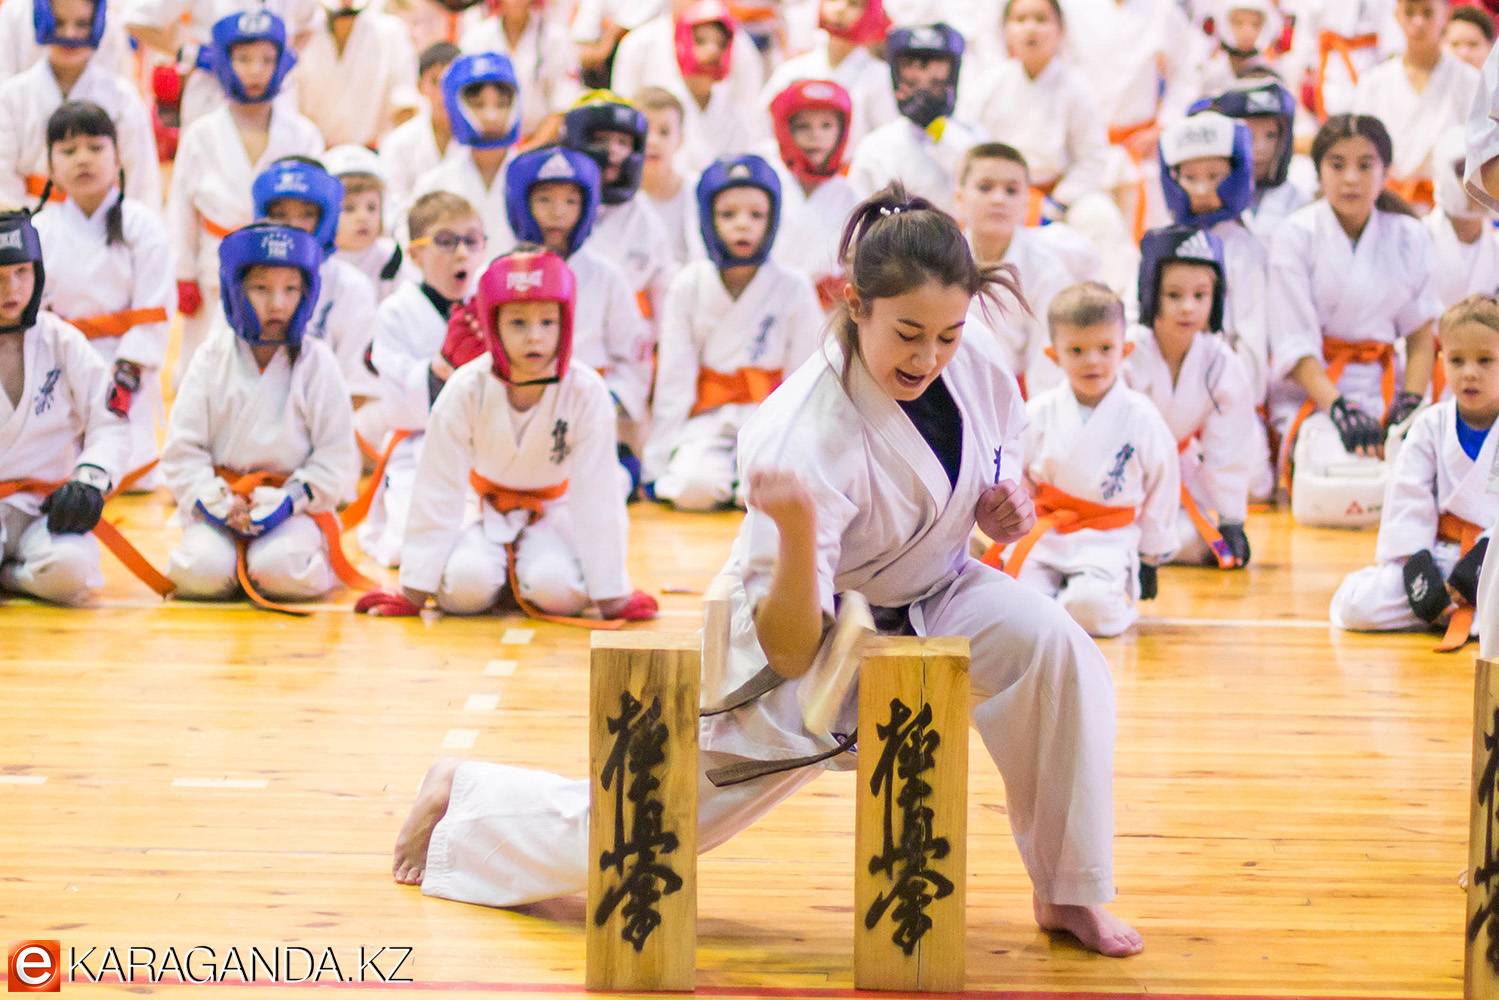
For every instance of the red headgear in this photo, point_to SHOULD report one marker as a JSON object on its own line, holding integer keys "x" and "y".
{"x": 526, "y": 277}
{"x": 704, "y": 12}
{"x": 869, "y": 29}
{"x": 810, "y": 95}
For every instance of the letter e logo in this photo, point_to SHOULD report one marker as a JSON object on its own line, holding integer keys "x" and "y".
{"x": 34, "y": 967}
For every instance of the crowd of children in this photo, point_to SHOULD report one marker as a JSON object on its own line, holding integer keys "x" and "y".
{"x": 532, "y": 261}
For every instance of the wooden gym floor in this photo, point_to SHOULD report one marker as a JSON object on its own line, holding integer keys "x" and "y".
{"x": 1291, "y": 801}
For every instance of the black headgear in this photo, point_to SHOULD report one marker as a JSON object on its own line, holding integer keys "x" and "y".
{"x": 20, "y": 244}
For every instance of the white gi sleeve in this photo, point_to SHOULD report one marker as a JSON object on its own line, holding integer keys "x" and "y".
{"x": 601, "y": 524}
{"x": 153, "y": 284}
{"x": 1161, "y": 474}
{"x": 331, "y": 469}
{"x": 106, "y": 437}
{"x": 1295, "y": 329}
{"x": 1409, "y": 520}
{"x": 1227, "y": 465}
{"x": 677, "y": 367}
{"x": 628, "y": 344}
{"x": 440, "y": 490}
{"x": 187, "y": 456}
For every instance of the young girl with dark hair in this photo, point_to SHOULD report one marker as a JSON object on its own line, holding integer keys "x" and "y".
{"x": 1350, "y": 276}
{"x": 903, "y": 435}
{"x": 111, "y": 273}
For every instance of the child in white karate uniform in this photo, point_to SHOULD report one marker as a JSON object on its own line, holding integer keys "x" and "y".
{"x": 418, "y": 145}
{"x": 415, "y": 352}
{"x": 734, "y": 326}
{"x": 356, "y": 76}
{"x": 1183, "y": 364}
{"x": 1469, "y": 35}
{"x": 361, "y": 238}
{"x": 660, "y": 180}
{"x": 812, "y": 121}
{"x": 993, "y": 190}
{"x": 532, "y": 432}
{"x": 1466, "y": 244}
{"x": 1350, "y": 276}
{"x": 1103, "y": 465}
{"x": 111, "y": 273}
{"x": 260, "y": 444}
{"x": 536, "y": 38}
{"x": 842, "y": 54}
{"x": 923, "y": 147}
{"x": 1418, "y": 95}
{"x": 73, "y": 70}
{"x": 891, "y": 437}
{"x": 20, "y": 50}
{"x": 553, "y": 201}
{"x": 482, "y": 99}
{"x": 54, "y": 428}
{"x": 219, "y": 156}
{"x": 1045, "y": 108}
{"x": 1269, "y": 111}
{"x": 1438, "y": 506}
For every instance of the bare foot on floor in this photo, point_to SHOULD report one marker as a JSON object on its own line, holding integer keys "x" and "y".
{"x": 431, "y": 804}
{"x": 1095, "y": 928}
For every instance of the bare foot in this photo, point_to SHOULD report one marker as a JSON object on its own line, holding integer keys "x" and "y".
{"x": 1095, "y": 928}
{"x": 431, "y": 803}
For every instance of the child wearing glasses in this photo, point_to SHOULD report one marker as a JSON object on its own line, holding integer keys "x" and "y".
{"x": 411, "y": 356}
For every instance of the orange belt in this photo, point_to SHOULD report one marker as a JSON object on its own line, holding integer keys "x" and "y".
{"x": 1418, "y": 191}
{"x": 643, "y": 303}
{"x": 1451, "y": 528}
{"x": 1064, "y": 514}
{"x": 1036, "y": 204}
{"x": 366, "y": 448}
{"x": 243, "y": 486}
{"x": 213, "y": 228}
{"x": 117, "y": 324}
{"x": 1329, "y": 42}
{"x": 107, "y": 533}
{"x": 1120, "y": 135}
{"x": 504, "y": 499}
{"x": 747, "y": 385}
{"x": 1205, "y": 528}
{"x": 1338, "y": 354}
{"x": 36, "y": 184}
{"x": 360, "y": 508}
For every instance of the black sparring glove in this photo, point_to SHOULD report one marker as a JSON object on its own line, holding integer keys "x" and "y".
{"x": 73, "y": 508}
{"x": 1149, "y": 586}
{"x": 1424, "y": 587}
{"x": 1402, "y": 406}
{"x": 1238, "y": 543}
{"x": 1355, "y": 427}
{"x": 1464, "y": 576}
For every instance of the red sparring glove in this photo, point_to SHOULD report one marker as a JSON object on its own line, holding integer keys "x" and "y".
{"x": 189, "y": 298}
{"x": 385, "y": 603}
{"x": 465, "y": 341}
{"x": 830, "y": 290}
{"x": 641, "y": 607}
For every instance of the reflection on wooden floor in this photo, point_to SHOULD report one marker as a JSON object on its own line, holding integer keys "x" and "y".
{"x": 1291, "y": 802}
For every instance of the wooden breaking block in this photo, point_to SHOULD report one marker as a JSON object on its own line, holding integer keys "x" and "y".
{"x": 1481, "y": 956}
{"x": 718, "y": 621}
{"x": 642, "y": 841}
{"x": 911, "y": 827}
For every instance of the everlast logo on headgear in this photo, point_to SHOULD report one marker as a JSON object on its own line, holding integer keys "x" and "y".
{"x": 276, "y": 246}
{"x": 554, "y": 168}
{"x": 523, "y": 281}
{"x": 818, "y": 92}
{"x": 254, "y": 22}
{"x": 11, "y": 240}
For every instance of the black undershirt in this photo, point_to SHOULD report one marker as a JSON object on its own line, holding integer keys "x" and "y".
{"x": 440, "y": 302}
{"x": 940, "y": 424}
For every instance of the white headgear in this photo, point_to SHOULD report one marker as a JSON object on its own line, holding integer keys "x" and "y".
{"x": 1447, "y": 159}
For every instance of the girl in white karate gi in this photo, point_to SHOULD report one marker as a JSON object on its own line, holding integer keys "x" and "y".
{"x": 531, "y": 431}
{"x": 54, "y": 429}
{"x": 1438, "y": 507}
{"x": 894, "y": 431}
{"x": 1038, "y": 103}
{"x": 260, "y": 444}
{"x": 73, "y": 70}
{"x": 1350, "y": 276}
{"x": 220, "y": 155}
{"x": 734, "y": 326}
{"x": 111, "y": 273}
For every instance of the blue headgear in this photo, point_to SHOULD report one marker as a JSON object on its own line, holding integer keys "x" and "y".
{"x": 550, "y": 163}
{"x": 1161, "y": 246}
{"x": 601, "y": 111}
{"x": 254, "y": 25}
{"x": 465, "y": 71}
{"x": 45, "y": 24}
{"x": 20, "y": 244}
{"x": 934, "y": 40}
{"x": 732, "y": 172}
{"x": 277, "y": 246}
{"x": 1208, "y": 133}
{"x": 292, "y": 178}
{"x": 1259, "y": 97}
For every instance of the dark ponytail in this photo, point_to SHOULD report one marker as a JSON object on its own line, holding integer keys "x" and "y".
{"x": 1340, "y": 127}
{"x": 894, "y": 243}
{"x": 85, "y": 118}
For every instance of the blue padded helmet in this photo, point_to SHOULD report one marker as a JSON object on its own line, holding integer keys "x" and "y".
{"x": 21, "y": 244}
{"x": 732, "y": 172}
{"x": 1259, "y": 97}
{"x": 275, "y": 246}
{"x": 1208, "y": 133}
{"x": 539, "y": 166}
{"x": 466, "y": 71}
{"x": 293, "y": 178}
{"x": 45, "y": 24}
{"x": 254, "y": 25}
{"x": 1160, "y": 247}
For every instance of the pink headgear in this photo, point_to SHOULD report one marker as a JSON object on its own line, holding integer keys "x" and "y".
{"x": 526, "y": 277}
{"x": 704, "y": 12}
{"x": 869, "y": 29}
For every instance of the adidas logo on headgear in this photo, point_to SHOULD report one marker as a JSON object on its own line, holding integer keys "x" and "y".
{"x": 555, "y": 168}
{"x": 1197, "y": 247}
{"x": 1262, "y": 100}
{"x": 739, "y": 172}
{"x": 926, "y": 38}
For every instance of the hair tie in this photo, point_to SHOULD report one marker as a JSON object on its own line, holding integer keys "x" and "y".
{"x": 888, "y": 210}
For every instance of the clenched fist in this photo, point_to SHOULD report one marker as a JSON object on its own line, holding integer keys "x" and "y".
{"x": 1005, "y": 512}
